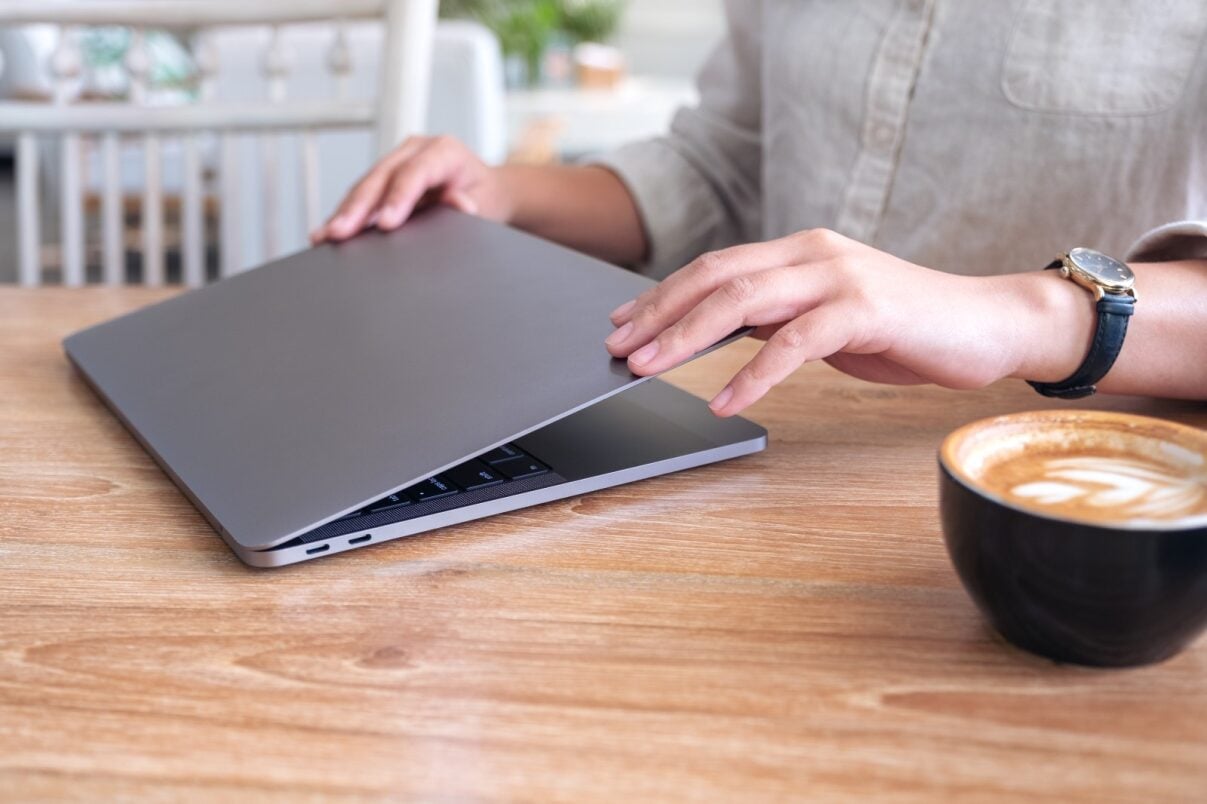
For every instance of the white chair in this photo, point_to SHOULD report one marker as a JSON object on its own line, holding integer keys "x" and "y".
{"x": 466, "y": 100}
{"x": 80, "y": 127}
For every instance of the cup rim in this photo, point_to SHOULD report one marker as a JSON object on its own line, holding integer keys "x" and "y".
{"x": 956, "y": 437}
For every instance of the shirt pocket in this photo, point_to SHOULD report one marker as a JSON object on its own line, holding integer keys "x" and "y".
{"x": 1122, "y": 57}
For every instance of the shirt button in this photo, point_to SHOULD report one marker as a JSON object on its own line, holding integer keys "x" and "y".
{"x": 883, "y": 135}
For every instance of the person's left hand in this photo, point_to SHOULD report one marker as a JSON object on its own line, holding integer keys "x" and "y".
{"x": 819, "y": 295}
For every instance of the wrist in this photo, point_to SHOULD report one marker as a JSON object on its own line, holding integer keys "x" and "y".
{"x": 1054, "y": 325}
{"x": 508, "y": 182}
{"x": 535, "y": 197}
{"x": 584, "y": 207}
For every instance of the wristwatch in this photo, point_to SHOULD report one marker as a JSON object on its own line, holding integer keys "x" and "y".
{"x": 1112, "y": 284}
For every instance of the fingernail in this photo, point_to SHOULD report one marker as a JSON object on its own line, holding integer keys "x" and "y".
{"x": 619, "y": 335}
{"x": 721, "y": 399}
{"x": 623, "y": 309}
{"x": 645, "y": 354}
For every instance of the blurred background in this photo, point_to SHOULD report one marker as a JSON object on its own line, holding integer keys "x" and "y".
{"x": 532, "y": 81}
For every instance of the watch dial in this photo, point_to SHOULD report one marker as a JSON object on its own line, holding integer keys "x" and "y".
{"x": 1098, "y": 266}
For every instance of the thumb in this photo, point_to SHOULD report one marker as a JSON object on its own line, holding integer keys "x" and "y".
{"x": 458, "y": 199}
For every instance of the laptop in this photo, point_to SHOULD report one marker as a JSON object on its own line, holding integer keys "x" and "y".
{"x": 394, "y": 384}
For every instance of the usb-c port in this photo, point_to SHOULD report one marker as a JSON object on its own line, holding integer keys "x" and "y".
{"x": 361, "y": 539}
{"x": 320, "y": 549}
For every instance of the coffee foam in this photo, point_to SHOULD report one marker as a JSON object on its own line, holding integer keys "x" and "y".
{"x": 1121, "y": 487}
{"x": 1110, "y": 469}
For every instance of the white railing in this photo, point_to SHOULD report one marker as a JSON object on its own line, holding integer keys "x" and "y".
{"x": 105, "y": 126}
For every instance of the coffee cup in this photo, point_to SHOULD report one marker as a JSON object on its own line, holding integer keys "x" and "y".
{"x": 1081, "y": 535}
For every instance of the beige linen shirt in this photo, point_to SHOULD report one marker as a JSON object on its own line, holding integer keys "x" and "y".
{"x": 972, "y": 136}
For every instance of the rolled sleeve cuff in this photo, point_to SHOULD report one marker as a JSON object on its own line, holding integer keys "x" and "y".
{"x": 678, "y": 208}
{"x": 1182, "y": 240}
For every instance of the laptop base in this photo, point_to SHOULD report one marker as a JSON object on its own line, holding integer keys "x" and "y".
{"x": 649, "y": 430}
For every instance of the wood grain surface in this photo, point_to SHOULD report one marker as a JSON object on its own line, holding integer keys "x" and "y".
{"x": 783, "y": 626}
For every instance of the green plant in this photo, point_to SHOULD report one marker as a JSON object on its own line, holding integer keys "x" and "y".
{"x": 524, "y": 27}
{"x": 591, "y": 20}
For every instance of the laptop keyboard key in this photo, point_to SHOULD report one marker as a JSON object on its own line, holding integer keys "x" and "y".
{"x": 473, "y": 475}
{"x": 431, "y": 489}
{"x": 503, "y": 453}
{"x": 386, "y": 503}
{"x": 517, "y": 468}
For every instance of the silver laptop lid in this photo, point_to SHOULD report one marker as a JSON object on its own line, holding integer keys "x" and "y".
{"x": 298, "y": 392}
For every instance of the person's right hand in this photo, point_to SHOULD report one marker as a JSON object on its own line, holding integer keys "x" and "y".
{"x": 421, "y": 171}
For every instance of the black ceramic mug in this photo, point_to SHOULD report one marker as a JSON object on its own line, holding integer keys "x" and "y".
{"x": 1081, "y": 535}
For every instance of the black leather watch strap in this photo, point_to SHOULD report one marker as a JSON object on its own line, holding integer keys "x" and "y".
{"x": 1114, "y": 310}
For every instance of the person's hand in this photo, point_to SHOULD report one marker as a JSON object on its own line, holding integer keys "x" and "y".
{"x": 819, "y": 295}
{"x": 421, "y": 171}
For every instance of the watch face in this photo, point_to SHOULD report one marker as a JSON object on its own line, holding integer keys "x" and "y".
{"x": 1101, "y": 269}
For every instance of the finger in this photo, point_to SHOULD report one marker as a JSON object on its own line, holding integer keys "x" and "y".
{"x": 362, "y": 201}
{"x": 621, "y": 313}
{"x": 701, "y": 276}
{"x": 655, "y": 309}
{"x": 433, "y": 167}
{"x": 324, "y": 234}
{"x": 819, "y": 333}
{"x": 766, "y": 297}
{"x": 459, "y": 199}
{"x": 810, "y": 245}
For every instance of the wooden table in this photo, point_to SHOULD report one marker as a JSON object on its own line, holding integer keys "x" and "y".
{"x": 782, "y": 626}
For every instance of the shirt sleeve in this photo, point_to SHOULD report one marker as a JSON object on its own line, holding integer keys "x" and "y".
{"x": 1183, "y": 240}
{"x": 699, "y": 188}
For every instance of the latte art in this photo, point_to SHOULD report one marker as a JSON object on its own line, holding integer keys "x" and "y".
{"x": 1121, "y": 487}
{"x": 1111, "y": 469}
